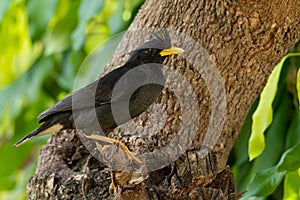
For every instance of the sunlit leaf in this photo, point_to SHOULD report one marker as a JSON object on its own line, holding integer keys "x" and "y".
{"x": 15, "y": 51}
{"x": 264, "y": 183}
{"x": 274, "y": 142}
{"x": 291, "y": 186}
{"x": 62, "y": 9}
{"x": 263, "y": 115}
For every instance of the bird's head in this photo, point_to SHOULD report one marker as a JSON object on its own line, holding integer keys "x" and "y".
{"x": 155, "y": 50}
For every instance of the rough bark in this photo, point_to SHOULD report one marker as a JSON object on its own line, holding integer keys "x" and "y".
{"x": 245, "y": 39}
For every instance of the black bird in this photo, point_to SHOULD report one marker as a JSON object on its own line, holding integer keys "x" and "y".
{"x": 131, "y": 88}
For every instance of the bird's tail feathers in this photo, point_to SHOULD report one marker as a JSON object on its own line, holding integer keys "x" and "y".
{"x": 42, "y": 130}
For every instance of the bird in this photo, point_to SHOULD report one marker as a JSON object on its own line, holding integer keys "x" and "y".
{"x": 131, "y": 88}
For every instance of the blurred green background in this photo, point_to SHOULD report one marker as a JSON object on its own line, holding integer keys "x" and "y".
{"x": 43, "y": 43}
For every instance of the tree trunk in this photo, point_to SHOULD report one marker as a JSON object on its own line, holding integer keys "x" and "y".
{"x": 244, "y": 39}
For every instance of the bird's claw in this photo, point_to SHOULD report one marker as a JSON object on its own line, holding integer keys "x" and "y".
{"x": 129, "y": 154}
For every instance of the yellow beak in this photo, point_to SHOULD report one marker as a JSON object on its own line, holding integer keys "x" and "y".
{"x": 171, "y": 51}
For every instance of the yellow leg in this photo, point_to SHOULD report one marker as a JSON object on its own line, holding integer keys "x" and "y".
{"x": 111, "y": 188}
{"x": 112, "y": 140}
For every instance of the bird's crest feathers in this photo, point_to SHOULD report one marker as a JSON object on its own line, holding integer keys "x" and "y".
{"x": 158, "y": 40}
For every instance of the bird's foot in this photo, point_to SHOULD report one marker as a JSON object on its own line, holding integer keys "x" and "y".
{"x": 129, "y": 154}
{"x": 111, "y": 188}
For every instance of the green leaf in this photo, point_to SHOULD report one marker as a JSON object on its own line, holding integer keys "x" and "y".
{"x": 290, "y": 160}
{"x": 263, "y": 115}
{"x": 293, "y": 135}
{"x": 274, "y": 142}
{"x": 276, "y": 133}
{"x": 87, "y": 10}
{"x": 298, "y": 87}
{"x": 264, "y": 183}
{"x": 39, "y": 14}
{"x": 291, "y": 186}
{"x": 16, "y": 47}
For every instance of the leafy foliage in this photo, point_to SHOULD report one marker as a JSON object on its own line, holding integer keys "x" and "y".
{"x": 43, "y": 43}
{"x": 273, "y": 174}
{"x": 263, "y": 115}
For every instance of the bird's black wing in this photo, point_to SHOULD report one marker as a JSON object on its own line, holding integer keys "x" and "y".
{"x": 96, "y": 93}
{"x": 82, "y": 98}
{"x": 99, "y": 92}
